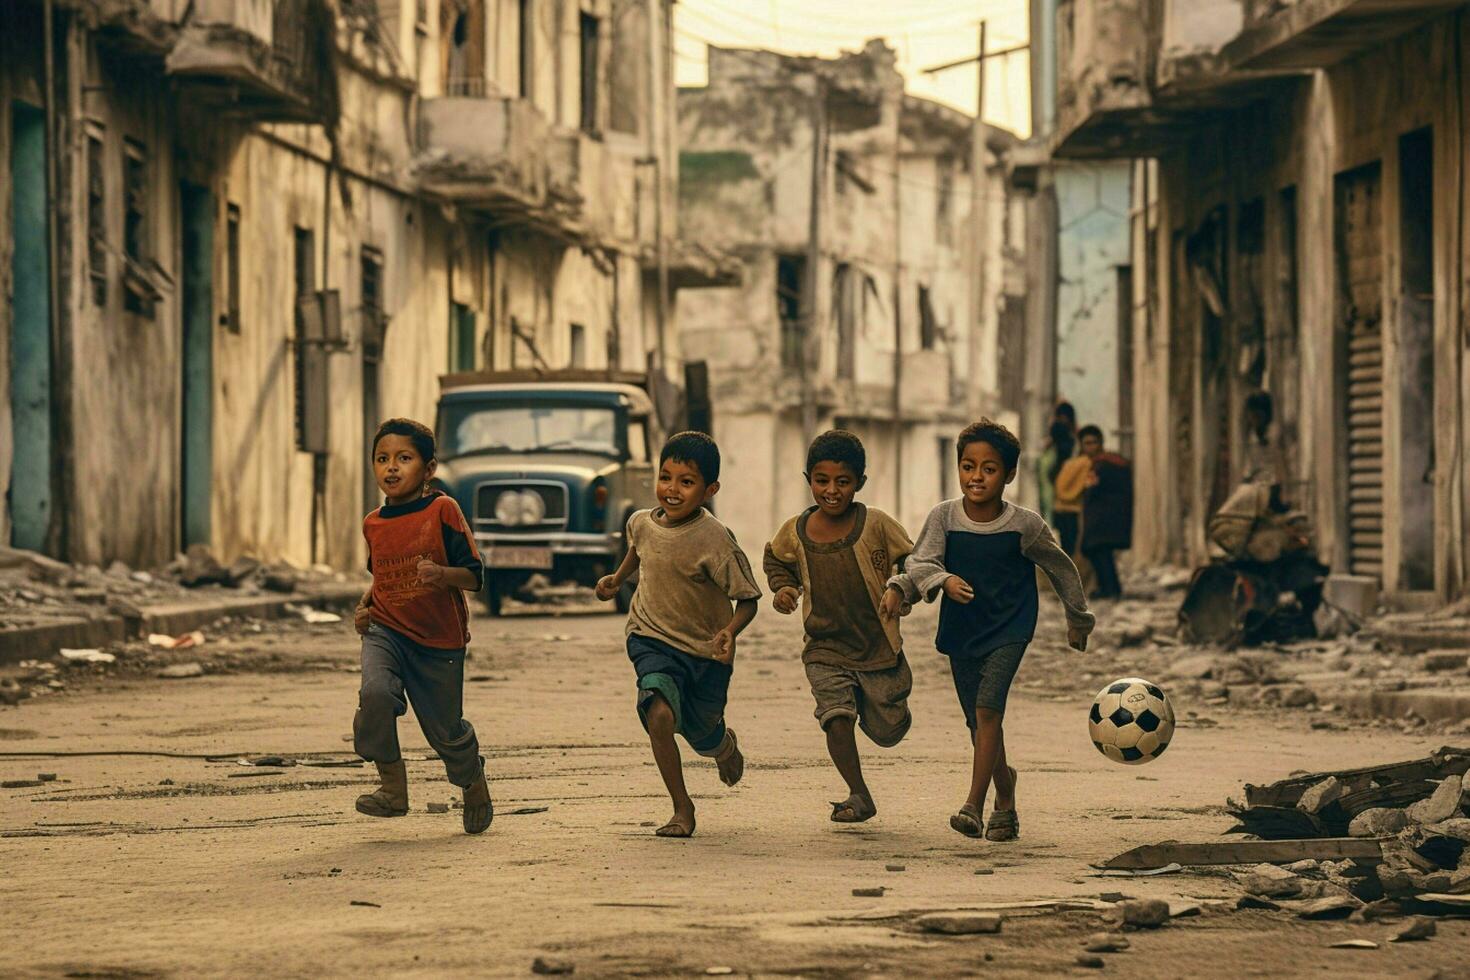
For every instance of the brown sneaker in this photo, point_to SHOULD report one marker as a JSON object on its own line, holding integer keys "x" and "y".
{"x": 391, "y": 798}
{"x": 478, "y": 810}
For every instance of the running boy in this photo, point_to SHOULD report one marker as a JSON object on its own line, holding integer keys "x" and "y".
{"x": 982, "y": 553}
{"x": 835, "y": 558}
{"x": 414, "y": 626}
{"x": 681, "y": 631}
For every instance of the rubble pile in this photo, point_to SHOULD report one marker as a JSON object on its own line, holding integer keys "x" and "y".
{"x": 1418, "y": 812}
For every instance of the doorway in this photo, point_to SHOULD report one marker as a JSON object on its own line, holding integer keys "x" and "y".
{"x": 29, "y": 493}
{"x": 1416, "y": 362}
{"x": 196, "y": 208}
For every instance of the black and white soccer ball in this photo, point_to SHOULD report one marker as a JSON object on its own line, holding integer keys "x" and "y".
{"x": 1131, "y": 721}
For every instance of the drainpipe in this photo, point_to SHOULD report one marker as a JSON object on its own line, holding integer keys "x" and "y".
{"x": 58, "y": 536}
{"x": 898, "y": 319}
{"x": 656, "y": 153}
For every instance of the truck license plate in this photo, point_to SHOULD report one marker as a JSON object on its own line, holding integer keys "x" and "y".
{"x": 498, "y": 557}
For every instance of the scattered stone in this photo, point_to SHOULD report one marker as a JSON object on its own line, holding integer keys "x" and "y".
{"x": 1444, "y": 660}
{"x": 985, "y": 871}
{"x": 1256, "y": 902}
{"x": 959, "y": 923}
{"x": 178, "y": 671}
{"x": 1263, "y": 887}
{"x": 1329, "y": 790}
{"x": 547, "y": 966}
{"x": 1145, "y": 913}
{"x": 370, "y": 905}
{"x": 1135, "y": 635}
{"x": 1306, "y": 866}
{"x": 1354, "y": 944}
{"x": 869, "y": 892}
{"x": 1441, "y": 804}
{"x": 46, "y": 777}
{"x": 165, "y": 782}
{"x": 1091, "y": 961}
{"x": 894, "y": 867}
{"x": 1456, "y": 827}
{"x": 1197, "y": 667}
{"x": 241, "y": 569}
{"x": 1332, "y": 907}
{"x": 88, "y": 656}
{"x": 1380, "y": 821}
{"x": 1298, "y": 696}
{"x": 1414, "y": 930}
{"x": 278, "y": 578}
{"x": 1105, "y": 942}
{"x": 438, "y": 807}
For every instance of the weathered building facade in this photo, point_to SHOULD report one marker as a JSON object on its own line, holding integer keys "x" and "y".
{"x": 276, "y": 222}
{"x": 1299, "y": 205}
{"x": 865, "y": 302}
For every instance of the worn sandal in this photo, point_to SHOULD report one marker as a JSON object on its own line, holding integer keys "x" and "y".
{"x": 968, "y": 822}
{"x": 676, "y": 829}
{"x": 730, "y": 761}
{"x": 855, "y": 809}
{"x": 1004, "y": 824}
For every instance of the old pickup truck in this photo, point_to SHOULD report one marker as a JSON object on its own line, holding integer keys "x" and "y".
{"x": 547, "y": 468}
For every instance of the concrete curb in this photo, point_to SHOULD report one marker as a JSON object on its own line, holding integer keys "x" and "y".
{"x": 41, "y": 642}
{"x": 1431, "y": 705}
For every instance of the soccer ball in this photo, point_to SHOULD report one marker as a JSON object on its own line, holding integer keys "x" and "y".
{"x": 1131, "y": 721}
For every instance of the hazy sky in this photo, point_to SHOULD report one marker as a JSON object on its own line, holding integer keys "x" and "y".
{"x": 923, "y": 32}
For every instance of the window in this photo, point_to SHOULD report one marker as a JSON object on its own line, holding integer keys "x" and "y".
{"x": 527, "y": 23}
{"x": 928, "y": 325}
{"x": 944, "y": 202}
{"x": 232, "y": 268}
{"x": 139, "y": 294}
{"x": 461, "y": 338}
{"x": 846, "y": 286}
{"x": 305, "y": 276}
{"x": 591, "y": 27}
{"x": 96, "y": 213}
{"x": 790, "y": 279}
{"x": 578, "y": 357}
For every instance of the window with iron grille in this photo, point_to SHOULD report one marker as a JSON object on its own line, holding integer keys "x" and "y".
{"x": 139, "y": 294}
{"x": 96, "y": 213}
{"x": 232, "y": 268}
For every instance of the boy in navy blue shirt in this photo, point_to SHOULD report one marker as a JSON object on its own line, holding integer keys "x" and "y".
{"x": 982, "y": 552}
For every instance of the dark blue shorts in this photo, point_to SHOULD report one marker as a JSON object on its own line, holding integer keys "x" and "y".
{"x": 696, "y": 688}
{"x": 985, "y": 681}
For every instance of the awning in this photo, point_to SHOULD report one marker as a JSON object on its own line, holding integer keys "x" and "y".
{"x": 1317, "y": 33}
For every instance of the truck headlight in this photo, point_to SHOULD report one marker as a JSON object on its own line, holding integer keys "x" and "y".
{"x": 516, "y": 507}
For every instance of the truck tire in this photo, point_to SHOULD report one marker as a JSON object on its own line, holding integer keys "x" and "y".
{"x": 490, "y": 596}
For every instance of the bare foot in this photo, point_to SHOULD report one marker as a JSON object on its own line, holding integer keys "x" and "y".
{"x": 681, "y": 824}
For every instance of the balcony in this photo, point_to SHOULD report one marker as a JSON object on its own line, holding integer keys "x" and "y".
{"x": 1136, "y": 78}
{"x": 489, "y": 154}
{"x": 1317, "y": 33}
{"x": 260, "y": 60}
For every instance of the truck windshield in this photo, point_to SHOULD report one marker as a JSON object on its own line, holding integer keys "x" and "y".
{"x": 530, "y": 429}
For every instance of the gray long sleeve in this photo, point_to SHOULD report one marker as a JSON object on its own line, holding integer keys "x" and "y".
{"x": 924, "y": 573}
{"x": 1040, "y": 546}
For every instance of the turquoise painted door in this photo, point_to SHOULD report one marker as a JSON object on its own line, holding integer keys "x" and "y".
{"x": 29, "y": 494}
{"x": 197, "y": 216}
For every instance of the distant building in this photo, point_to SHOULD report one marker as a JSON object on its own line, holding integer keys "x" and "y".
{"x": 863, "y": 305}
{"x": 1298, "y": 205}
{"x": 277, "y": 222}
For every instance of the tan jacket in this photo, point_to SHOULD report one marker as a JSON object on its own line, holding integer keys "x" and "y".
{"x": 1071, "y": 483}
{"x": 879, "y": 549}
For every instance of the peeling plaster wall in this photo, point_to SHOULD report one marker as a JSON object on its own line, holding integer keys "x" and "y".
{"x": 1093, "y": 205}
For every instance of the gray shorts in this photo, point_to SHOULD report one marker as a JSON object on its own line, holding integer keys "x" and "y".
{"x": 985, "y": 681}
{"x": 877, "y": 699}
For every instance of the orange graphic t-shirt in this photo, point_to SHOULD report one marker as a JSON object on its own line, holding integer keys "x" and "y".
{"x": 399, "y": 536}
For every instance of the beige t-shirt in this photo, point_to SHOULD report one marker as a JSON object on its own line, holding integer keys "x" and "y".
{"x": 688, "y": 576}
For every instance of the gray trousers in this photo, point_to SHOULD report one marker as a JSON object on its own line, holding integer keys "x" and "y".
{"x": 392, "y": 666}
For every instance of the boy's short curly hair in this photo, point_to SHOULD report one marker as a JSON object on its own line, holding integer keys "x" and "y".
{"x": 418, "y": 433}
{"x": 695, "y": 448}
{"x": 1003, "y": 440}
{"x": 838, "y": 446}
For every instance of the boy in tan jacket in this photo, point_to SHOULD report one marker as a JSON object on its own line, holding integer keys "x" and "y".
{"x": 836, "y": 558}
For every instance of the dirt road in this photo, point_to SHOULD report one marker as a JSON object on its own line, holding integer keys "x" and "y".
{"x": 144, "y": 865}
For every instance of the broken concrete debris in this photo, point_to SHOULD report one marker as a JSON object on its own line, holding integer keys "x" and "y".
{"x": 181, "y": 642}
{"x": 1105, "y": 942}
{"x": 1090, "y": 960}
{"x": 959, "y": 923}
{"x": 869, "y": 892}
{"x": 1414, "y": 930}
{"x": 1144, "y": 913}
{"x": 180, "y": 671}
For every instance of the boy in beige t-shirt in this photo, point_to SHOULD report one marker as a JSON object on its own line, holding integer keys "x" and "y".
{"x": 834, "y": 559}
{"x": 681, "y": 628}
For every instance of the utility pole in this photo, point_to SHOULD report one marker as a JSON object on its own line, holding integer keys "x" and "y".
{"x": 656, "y": 87}
{"x": 979, "y": 199}
{"x": 810, "y": 351}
